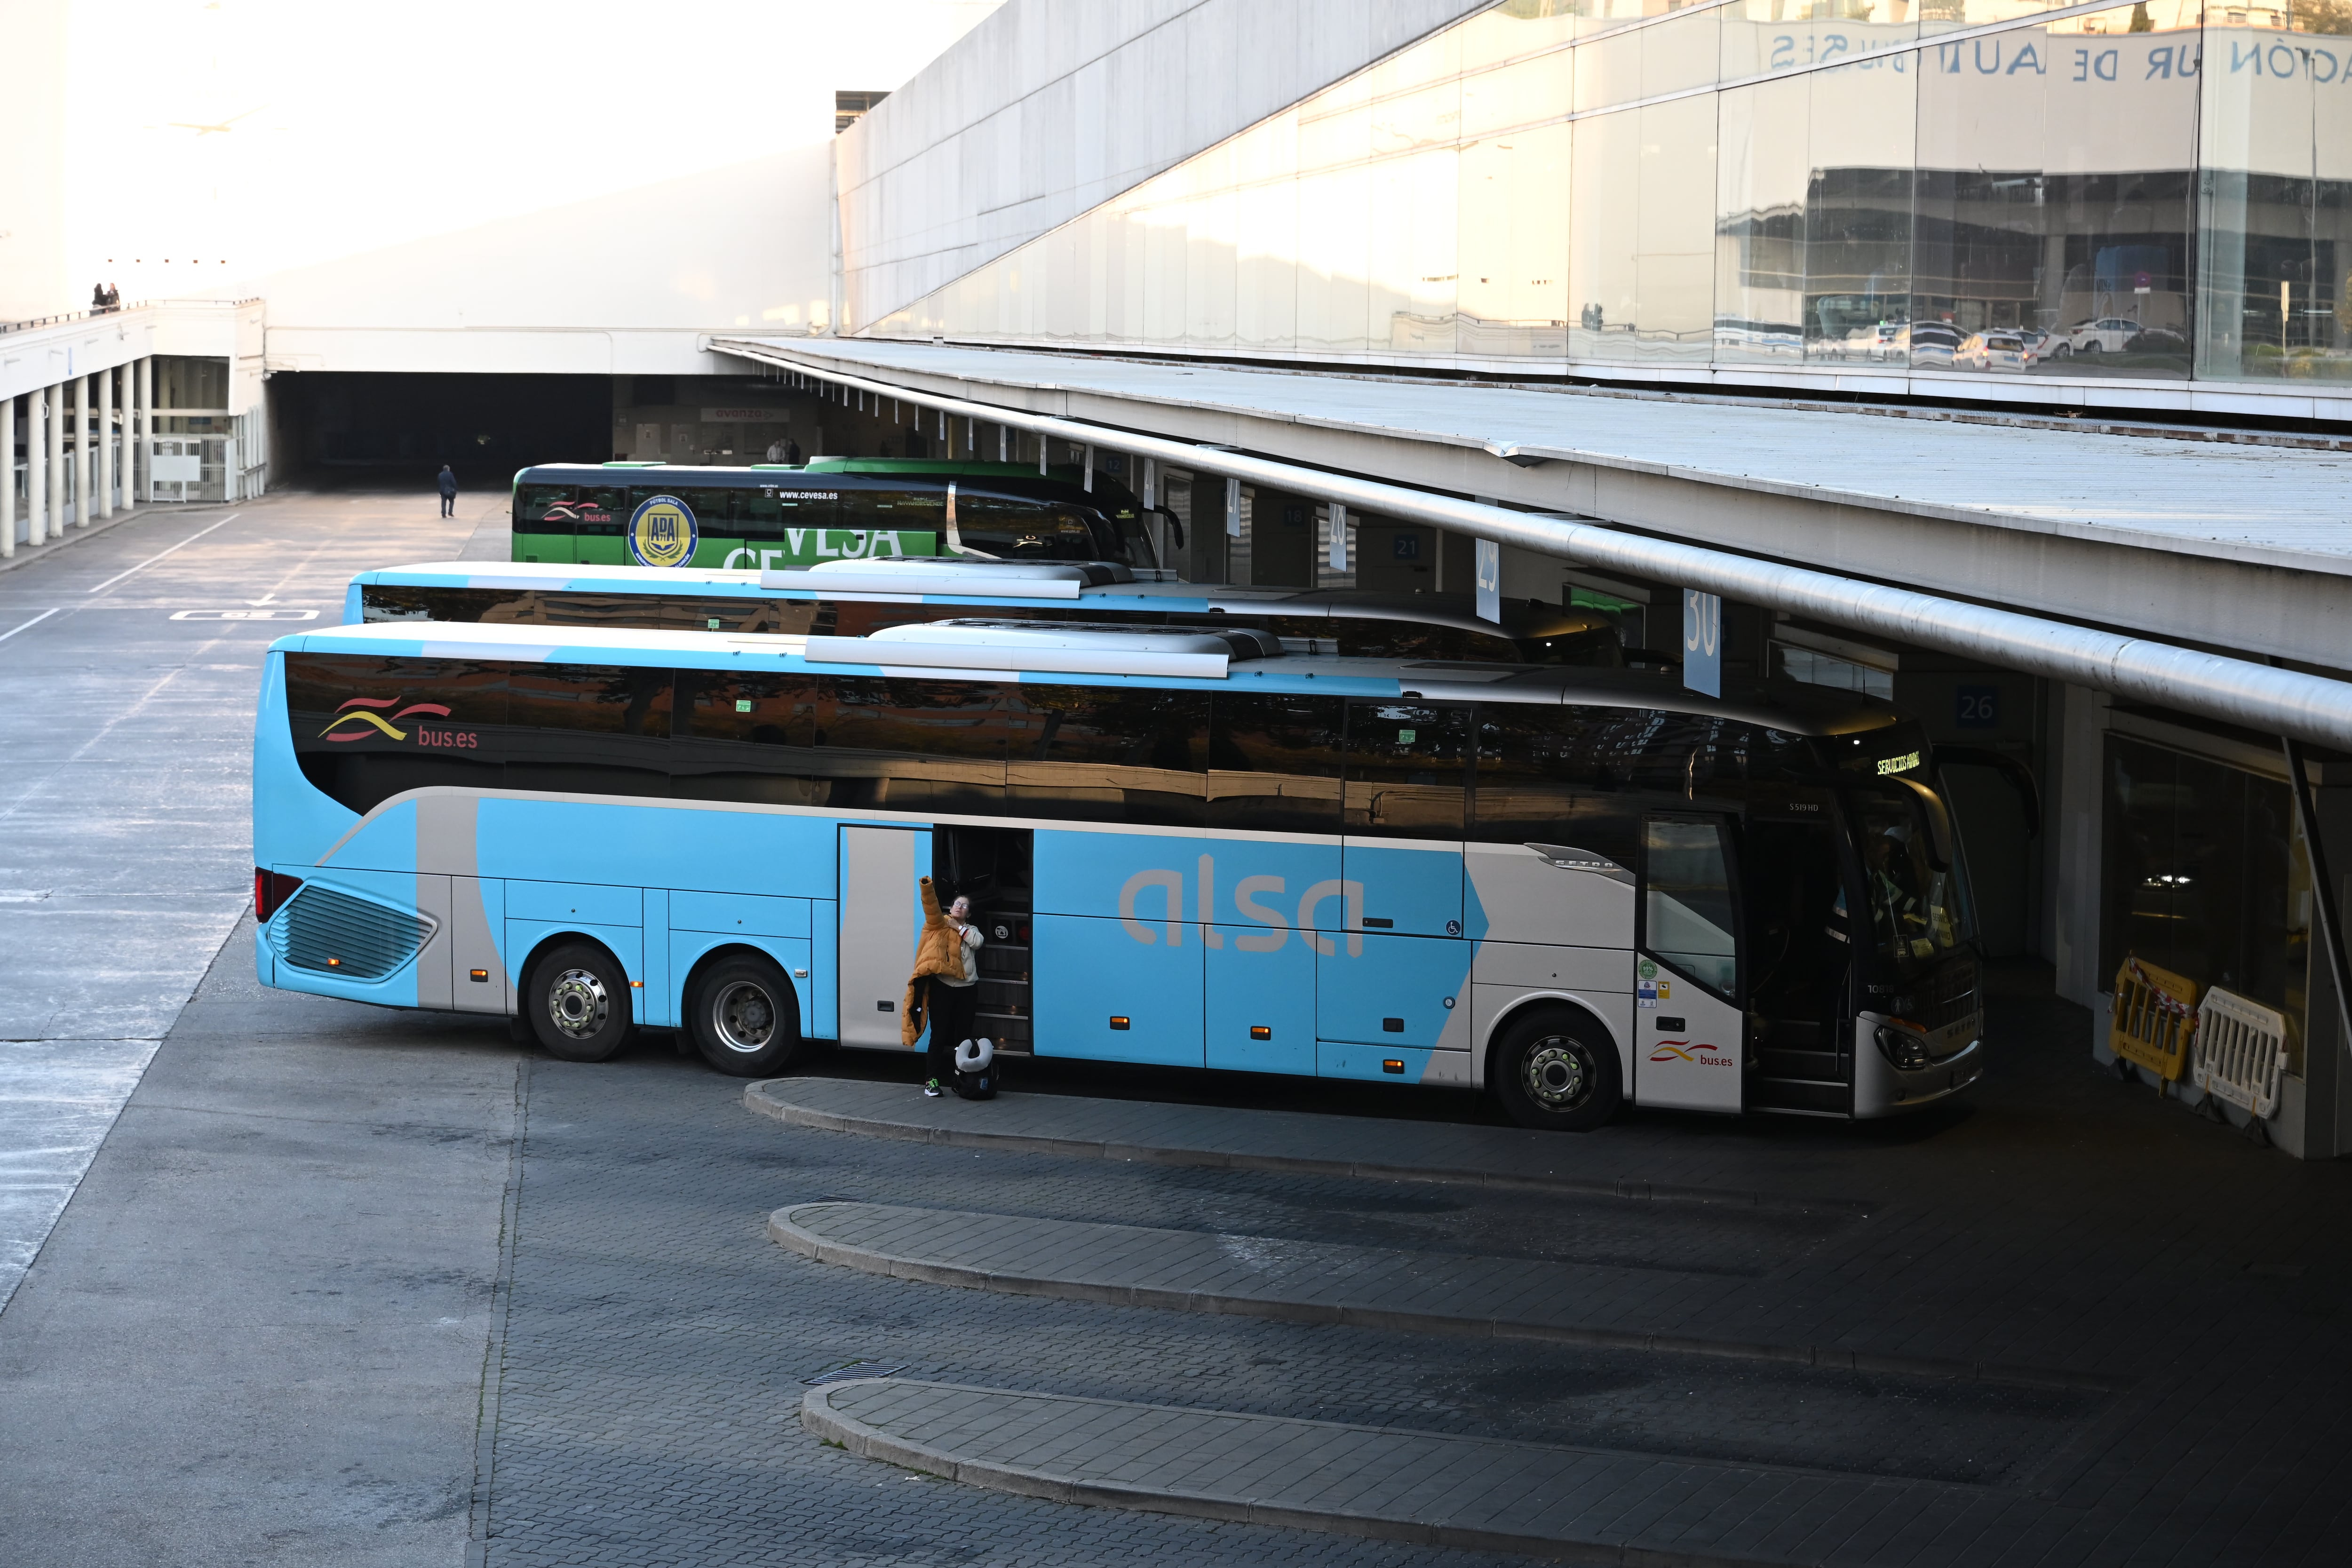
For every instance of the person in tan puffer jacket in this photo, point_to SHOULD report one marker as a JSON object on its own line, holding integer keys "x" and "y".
{"x": 944, "y": 991}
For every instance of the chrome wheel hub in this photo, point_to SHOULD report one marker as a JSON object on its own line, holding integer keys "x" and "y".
{"x": 577, "y": 1004}
{"x": 1557, "y": 1076}
{"x": 745, "y": 1017}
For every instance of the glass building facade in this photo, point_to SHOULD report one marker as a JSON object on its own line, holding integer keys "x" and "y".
{"x": 2154, "y": 193}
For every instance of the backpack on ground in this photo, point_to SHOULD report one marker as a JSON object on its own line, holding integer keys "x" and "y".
{"x": 975, "y": 1070}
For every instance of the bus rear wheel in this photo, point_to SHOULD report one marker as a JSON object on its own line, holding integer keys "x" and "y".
{"x": 1556, "y": 1071}
{"x": 744, "y": 1017}
{"x": 578, "y": 1003}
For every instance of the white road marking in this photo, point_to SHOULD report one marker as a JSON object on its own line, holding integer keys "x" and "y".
{"x": 35, "y": 621}
{"x": 151, "y": 561}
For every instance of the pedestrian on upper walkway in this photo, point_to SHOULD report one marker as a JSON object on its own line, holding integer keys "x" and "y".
{"x": 448, "y": 492}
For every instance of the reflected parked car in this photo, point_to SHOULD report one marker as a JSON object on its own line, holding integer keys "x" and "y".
{"x": 2157, "y": 341}
{"x": 1933, "y": 344}
{"x": 1993, "y": 349}
{"x": 2108, "y": 334}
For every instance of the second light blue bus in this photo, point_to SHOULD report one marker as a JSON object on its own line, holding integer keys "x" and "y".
{"x": 1573, "y": 889}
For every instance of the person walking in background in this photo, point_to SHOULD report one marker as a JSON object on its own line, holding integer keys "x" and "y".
{"x": 448, "y": 492}
{"x": 944, "y": 990}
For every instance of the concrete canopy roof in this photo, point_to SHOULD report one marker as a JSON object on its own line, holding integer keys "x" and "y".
{"x": 2233, "y": 544}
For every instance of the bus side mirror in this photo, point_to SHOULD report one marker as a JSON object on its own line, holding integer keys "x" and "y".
{"x": 1939, "y": 825}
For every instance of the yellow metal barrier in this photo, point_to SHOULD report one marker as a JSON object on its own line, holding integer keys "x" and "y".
{"x": 2155, "y": 1018}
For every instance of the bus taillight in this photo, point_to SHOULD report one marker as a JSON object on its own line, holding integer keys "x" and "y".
{"x": 270, "y": 892}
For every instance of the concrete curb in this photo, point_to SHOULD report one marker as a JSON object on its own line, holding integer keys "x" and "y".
{"x": 818, "y": 1417}
{"x": 786, "y": 1231}
{"x": 767, "y": 1097}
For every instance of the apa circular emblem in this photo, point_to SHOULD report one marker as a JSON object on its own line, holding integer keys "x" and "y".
{"x": 662, "y": 532}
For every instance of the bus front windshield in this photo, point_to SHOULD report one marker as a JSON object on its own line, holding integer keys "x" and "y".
{"x": 1918, "y": 915}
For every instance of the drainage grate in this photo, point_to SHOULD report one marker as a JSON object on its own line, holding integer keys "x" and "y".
{"x": 331, "y": 933}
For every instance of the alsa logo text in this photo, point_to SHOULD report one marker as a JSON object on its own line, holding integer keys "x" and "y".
{"x": 360, "y": 717}
{"x": 1155, "y": 899}
{"x": 1698, "y": 1056}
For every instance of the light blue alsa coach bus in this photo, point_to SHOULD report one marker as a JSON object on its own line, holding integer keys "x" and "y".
{"x": 1570, "y": 886}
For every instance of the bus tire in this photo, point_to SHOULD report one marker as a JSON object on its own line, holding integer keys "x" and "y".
{"x": 578, "y": 1003}
{"x": 743, "y": 1016}
{"x": 1556, "y": 1070}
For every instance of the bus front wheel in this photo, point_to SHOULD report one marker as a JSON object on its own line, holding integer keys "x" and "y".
{"x": 1556, "y": 1071}
{"x": 744, "y": 1017}
{"x": 578, "y": 1003}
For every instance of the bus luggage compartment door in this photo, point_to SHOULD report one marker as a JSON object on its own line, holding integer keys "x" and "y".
{"x": 1689, "y": 1027}
{"x": 1109, "y": 994}
{"x": 881, "y": 917}
{"x": 1261, "y": 999}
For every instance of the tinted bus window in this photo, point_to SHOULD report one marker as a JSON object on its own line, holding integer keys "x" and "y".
{"x": 1117, "y": 754}
{"x": 745, "y": 738}
{"x": 596, "y": 512}
{"x": 526, "y": 607}
{"x": 1686, "y": 905}
{"x": 923, "y": 510}
{"x": 766, "y": 513}
{"x": 580, "y": 729}
{"x": 1274, "y": 763}
{"x": 397, "y": 602}
{"x": 1537, "y": 782}
{"x": 366, "y": 728}
{"x": 565, "y": 508}
{"x": 1674, "y": 755}
{"x": 716, "y": 511}
{"x": 1027, "y": 531}
{"x": 913, "y": 746}
{"x": 1408, "y": 770}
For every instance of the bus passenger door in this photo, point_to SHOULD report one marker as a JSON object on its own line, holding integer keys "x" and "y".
{"x": 1689, "y": 1020}
{"x": 881, "y": 919}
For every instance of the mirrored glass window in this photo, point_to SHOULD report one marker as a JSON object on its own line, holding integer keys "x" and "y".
{"x": 1966, "y": 188}
{"x": 2276, "y": 257}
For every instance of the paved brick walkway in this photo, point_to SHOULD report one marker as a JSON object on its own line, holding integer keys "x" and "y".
{"x": 1319, "y": 1282}
{"x": 1574, "y": 1504}
{"x": 1582, "y": 1505}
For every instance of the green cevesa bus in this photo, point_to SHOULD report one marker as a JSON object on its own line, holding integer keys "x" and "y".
{"x": 769, "y": 516}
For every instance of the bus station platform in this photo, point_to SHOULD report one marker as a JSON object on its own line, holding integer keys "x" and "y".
{"x": 1429, "y": 1489}
{"x": 2118, "y": 1311}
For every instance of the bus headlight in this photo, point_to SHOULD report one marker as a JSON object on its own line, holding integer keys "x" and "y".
{"x": 1905, "y": 1048}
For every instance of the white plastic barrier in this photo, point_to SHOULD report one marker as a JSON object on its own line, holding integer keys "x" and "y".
{"x": 2240, "y": 1051}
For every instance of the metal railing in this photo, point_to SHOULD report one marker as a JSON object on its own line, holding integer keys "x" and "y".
{"x": 116, "y": 311}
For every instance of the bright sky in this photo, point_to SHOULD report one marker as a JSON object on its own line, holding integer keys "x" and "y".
{"x": 349, "y": 127}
